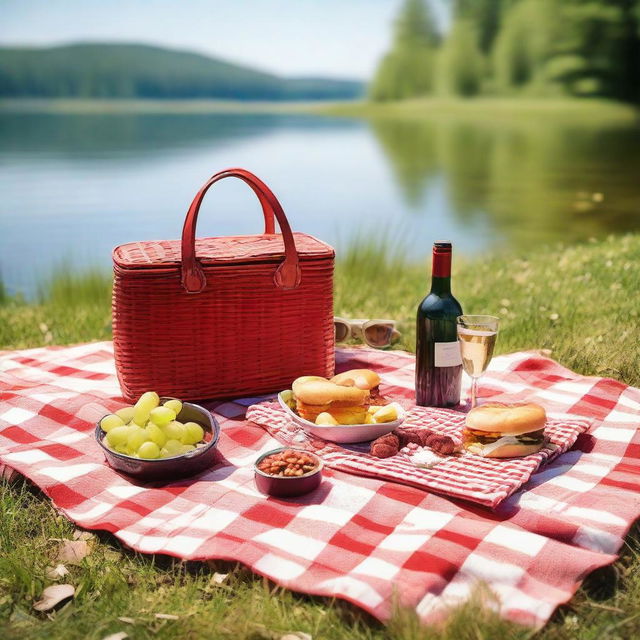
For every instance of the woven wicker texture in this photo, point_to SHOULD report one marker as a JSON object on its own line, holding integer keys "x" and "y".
{"x": 241, "y": 335}
{"x": 231, "y": 249}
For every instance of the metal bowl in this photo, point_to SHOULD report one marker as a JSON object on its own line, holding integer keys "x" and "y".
{"x": 169, "y": 469}
{"x": 288, "y": 486}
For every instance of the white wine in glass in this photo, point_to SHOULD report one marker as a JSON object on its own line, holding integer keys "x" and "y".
{"x": 477, "y": 338}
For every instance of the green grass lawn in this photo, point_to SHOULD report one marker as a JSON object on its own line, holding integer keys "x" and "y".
{"x": 579, "y": 302}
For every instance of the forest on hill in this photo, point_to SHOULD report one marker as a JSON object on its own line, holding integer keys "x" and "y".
{"x": 582, "y": 48}
{"x": 141, "y": 71}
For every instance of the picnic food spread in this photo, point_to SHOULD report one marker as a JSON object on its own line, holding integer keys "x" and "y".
{"x": 288, "y": 472}
{"x": 392, "y": 443}
{"x": 288, "y": 462}
{"x": 150, "y": 430}
{"x": 441, "y": 451}
{"x": 365, "y": 539}
{"x": 343, "y": 400}
{"x": 498, "y": 430}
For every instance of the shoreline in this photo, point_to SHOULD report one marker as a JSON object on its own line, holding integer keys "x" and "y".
{"x": 424, "y": 108}
{"x": 81, "y": 106}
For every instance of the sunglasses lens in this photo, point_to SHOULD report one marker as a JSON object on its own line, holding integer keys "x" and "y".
{"x": 342, "y": 331}
{"x": 378, "y": 335}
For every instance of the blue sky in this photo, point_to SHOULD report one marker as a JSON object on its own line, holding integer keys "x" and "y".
{"x": 340, "y": 38}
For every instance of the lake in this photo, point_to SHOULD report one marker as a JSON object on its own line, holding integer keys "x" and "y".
{"x": 75, "y": 186}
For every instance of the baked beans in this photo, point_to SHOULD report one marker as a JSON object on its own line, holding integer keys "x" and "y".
{"x": 288, "y": 463}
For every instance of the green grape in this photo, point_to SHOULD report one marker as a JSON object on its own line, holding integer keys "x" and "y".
{"x": 122, "y": 449}
{"x": 174, "y": 405}
{"x": 141, "y": 410}
{"x": 125, "y": 414}
{"x": 174, "y": 431}
{"x": 172, "y": 447}
{"x": 162, "y": 416}
{"x": 155, "y": 434}
{"x": 186, "y": 448}
{"x": 117, "y": 436}
{"x": 111, "y": 421}
{"x": 149, "y": 450}
{"x": 137, "y": 435}
{"x": 193, "y": 433}
{"x": 164, "y": 453}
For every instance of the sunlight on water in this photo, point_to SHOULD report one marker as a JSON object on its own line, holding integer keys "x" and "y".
{"x": 74, "y": 186}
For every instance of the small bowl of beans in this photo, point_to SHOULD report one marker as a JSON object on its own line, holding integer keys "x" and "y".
{"x": 287, "y": 472}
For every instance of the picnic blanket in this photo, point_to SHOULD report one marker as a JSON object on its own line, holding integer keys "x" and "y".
{"x": 371, "y": 542}
{"x": 487, "y": 481}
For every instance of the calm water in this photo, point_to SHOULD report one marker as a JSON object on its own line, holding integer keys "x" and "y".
{"x": 74, "y": 186}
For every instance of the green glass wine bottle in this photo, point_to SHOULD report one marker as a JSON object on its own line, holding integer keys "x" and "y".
{"x": 438, "y": 361}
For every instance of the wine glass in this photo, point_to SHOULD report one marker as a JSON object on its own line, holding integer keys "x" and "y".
{"x": 477, "y": 337}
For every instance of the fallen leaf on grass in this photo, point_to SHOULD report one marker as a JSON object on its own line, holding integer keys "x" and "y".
{"x": 73, "y": 551}
{"x": 59, "y": 571}
{"x": 121, "y": 635}
{"x": 82, "y": 535}
{"x": 126, "y": 620}
{"x": 218, "y": 578}
{"x": 52, "y": 596}
{"x": 167, "y": 616}
{"x": 296, "y": 635}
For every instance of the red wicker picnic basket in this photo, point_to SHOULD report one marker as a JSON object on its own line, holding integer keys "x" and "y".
{"x": 223, "y": 317}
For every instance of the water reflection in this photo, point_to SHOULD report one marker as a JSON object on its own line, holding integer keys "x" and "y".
{"x": 136, "y": 135}
{"x": 74, "y": 186}
{"x": 534, "y": 181}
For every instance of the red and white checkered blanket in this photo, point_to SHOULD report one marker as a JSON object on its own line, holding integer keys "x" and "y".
{"x": 361, "y": 539}
{"x": 487, "y": 481}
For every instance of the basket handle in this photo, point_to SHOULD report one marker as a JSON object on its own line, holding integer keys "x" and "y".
{"x": 287, "y": 275}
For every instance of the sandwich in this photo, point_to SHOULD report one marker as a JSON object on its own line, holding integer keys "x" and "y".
{"x": 362, "y": 379}
{"x": 497, "y": 430}
{"x": 314, "y": 396}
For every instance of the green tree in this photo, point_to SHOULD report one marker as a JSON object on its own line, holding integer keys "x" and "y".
{"x": 461, "y": 63}
{"x": 523, "y": 44}
{"x": 579, "y": 47}
{"x": 407, "y": 70}
{"x": 598, "y": 50}
{"x": 485, "y": 16}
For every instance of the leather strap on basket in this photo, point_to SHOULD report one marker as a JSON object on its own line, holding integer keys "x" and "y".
{"x": 287, "y": 275}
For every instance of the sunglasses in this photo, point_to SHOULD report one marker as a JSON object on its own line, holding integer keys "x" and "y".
{"x": 376, "y": 333}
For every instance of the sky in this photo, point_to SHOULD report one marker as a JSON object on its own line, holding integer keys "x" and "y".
{"x": 337, "y": 38}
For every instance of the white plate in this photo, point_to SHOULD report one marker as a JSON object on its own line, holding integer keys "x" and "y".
{"x": 345, "y": 433}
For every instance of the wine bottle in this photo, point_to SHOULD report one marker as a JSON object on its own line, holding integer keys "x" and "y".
{"x": 438, "y": 361}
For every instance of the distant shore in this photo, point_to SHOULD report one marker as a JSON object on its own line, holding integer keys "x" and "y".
{"x": 489, "y": 108}
{"x": 581, "y": 109}
{"x": 117, "y": 106}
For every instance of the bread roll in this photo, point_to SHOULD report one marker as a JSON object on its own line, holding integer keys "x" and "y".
{"x": 497, "y": 430}
{"x": 320, "y": 392}
{"x": 348, "y": 405}
{"x": 495, "y": 417}
{"x": 360, "y": 378}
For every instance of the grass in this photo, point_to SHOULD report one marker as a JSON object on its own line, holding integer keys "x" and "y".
{"x": 579, "y": 302}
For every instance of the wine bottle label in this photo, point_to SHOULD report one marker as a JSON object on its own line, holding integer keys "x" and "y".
{"x": 447, "y": 354}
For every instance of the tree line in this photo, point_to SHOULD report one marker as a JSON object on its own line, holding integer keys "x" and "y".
{"x": 142, "y": 71}
{"x": 583, "y": 48}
